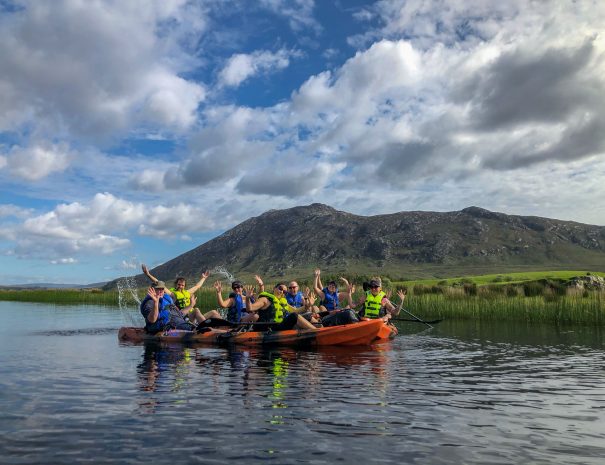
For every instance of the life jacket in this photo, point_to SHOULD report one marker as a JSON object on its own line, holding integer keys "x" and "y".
{"x": 163, "y": 314}
{"x": 295, "y": 300}
{"x": 275, "y": 311}
{"x": 234, "y": 313}
{"x": 330, "y": 300}
{"x": 183, "y": 298}
{"x": 373, "y": 304}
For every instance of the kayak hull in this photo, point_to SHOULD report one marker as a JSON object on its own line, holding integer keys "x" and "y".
{"x": 363, "y": 333}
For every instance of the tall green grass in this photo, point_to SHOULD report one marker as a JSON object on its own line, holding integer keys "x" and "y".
{"x": 61, "y": 296}
{"x": 583, "y": 308}
{"x": 544, "y": 303}
{"x": 206, "y": 297}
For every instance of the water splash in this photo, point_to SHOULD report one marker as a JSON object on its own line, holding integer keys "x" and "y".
{"x": 129, "y": 301}
{"x": 222, "y": 271}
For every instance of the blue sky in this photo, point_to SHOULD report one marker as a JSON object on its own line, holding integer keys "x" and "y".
{"x": 134, "y": 131}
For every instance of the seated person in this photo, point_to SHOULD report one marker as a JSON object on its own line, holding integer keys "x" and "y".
{"x": 329, "y": 296}
{"x": 273, "y": 308}
{"x": 160, "y": 312}
{"x": 235, "y": 303}
{"x": 185, "y": 299}
{"x": 376, "y": 303}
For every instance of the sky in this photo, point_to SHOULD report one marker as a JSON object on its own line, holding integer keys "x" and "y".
{"x": 132, "y": 131}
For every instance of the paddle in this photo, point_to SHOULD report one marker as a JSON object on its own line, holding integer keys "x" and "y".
{"x": 416, "y": 319}
{"x": 432, "y": 322}
{"x": 219, "y": 322}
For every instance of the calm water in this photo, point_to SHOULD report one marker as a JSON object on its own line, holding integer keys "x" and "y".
{"x": 461, "y": 393}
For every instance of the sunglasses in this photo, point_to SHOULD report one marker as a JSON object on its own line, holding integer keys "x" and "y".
{"x": 237, "y": 287}
{"x": 283, "y": 289}
{"x": 374, "y": 287}
{"x": 292, "y": 287}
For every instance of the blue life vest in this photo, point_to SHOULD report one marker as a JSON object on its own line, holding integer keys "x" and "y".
{"x": 234, "y": 313}
{"x": 163, "y": 314}
{"x": 295, "y": 300}
{"x": 331, "y": 299}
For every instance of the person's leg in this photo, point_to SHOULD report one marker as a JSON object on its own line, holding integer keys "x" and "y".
{"x": 304, "y": 324}
{"x": 211, "y": 314}
{"x": 249, "y": 318}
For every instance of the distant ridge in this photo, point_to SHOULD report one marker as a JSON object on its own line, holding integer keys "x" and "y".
{"x": 290, "y": 243}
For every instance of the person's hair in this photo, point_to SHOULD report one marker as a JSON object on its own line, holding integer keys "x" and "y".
{"x": 179, "y": 278}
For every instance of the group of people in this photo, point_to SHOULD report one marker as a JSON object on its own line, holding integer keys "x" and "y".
{"x": 285, "y": 307}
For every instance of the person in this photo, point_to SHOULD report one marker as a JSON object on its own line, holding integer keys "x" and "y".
{"x": 296, "y": 298}
{"x": 160, "y": 312}
{"x": 235, "y": 303}
{"x": 376, "y": 304}
{"x": 185, "y": 298}
{"x": 273, "y": 308}
{"x": 330, "y": 297}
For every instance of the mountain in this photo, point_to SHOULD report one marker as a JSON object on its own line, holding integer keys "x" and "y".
{"x": 291, "y": 243}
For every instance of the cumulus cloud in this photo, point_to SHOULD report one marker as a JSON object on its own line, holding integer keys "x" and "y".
{"x": 100, "y": 226}
{"x": 241, "y": 66}
{"x": 96, "y": 69}
{"x": 37, "y": 161}
{"x": 299, "y": 13}
{"x": 292, "y": 182}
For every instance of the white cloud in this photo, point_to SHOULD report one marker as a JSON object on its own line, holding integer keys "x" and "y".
{"x": 64, "y": 261}
{"x": 100, "y": 226}
{"x": 37, "y": 161}
{"x": 298, "y": 12}
{"x": 94, "y": 69}
{"x": 241, "y": 67}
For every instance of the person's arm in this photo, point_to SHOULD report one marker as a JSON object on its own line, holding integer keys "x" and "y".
{"x": 261, "y": 284}
{"x": 317, "y": 287}
{"x": 148, "y": 274}
{"x": 218, "y": 286}
{"x": 200, "y": 283}
{"x": 191, "y": 306}
{"x": 260, "y": 303}
{"x": 348, "y": 294}
{"x": 152, "y": 317}
{"x": 401, "y": 293}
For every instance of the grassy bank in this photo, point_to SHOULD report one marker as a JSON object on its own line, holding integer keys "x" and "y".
{"x": 583, "y": 308}
{"x": 531, "y": 297}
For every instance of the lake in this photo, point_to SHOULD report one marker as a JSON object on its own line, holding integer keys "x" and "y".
{"x": 462, "y": 392}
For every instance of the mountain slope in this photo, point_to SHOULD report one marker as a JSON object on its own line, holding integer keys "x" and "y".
{"x": 292, "y": 242}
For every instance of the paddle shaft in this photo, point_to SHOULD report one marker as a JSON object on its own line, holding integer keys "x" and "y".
{"x": 416, "y": 318}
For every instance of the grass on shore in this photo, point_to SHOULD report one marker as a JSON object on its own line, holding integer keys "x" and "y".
{"x": 529, "y": 296}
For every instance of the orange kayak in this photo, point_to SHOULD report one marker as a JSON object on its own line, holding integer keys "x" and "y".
{"x": 362, "y": 333}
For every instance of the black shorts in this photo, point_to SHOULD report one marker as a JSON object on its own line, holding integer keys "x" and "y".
{"x": 288, "y": 322}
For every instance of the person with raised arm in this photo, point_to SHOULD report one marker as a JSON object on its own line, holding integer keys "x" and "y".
{"x": 185, "y": 299}
{"x": 376, "y": 303}
{"x": 273, "y": 308}
{"x": 160, "y": 312}
{"x": 330, "y": 297}
{"x": 235, "y": 303}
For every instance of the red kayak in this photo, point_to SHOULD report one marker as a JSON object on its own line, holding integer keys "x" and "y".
{"x": 362, "y": 333}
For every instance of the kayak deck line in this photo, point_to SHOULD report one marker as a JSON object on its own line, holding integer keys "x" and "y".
{"x": 362, "y": 333}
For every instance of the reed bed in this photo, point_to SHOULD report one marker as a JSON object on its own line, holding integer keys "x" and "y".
{"x": 513, "y": 303}
{"x": 584, "y": 308}
{"x": 61, "y": 296}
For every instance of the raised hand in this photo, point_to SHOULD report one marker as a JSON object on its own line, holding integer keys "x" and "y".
{"x": 259, "y": 280}
{"x": 193, "y": 300}
{"x": 151, "y": 292}
{"x": 401, "y": 293}
{"x": 218, "y": 286}
{"x": 205, "y": 274}
{"x": 249, "y": 290}
{"x": 317, "y": 272}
